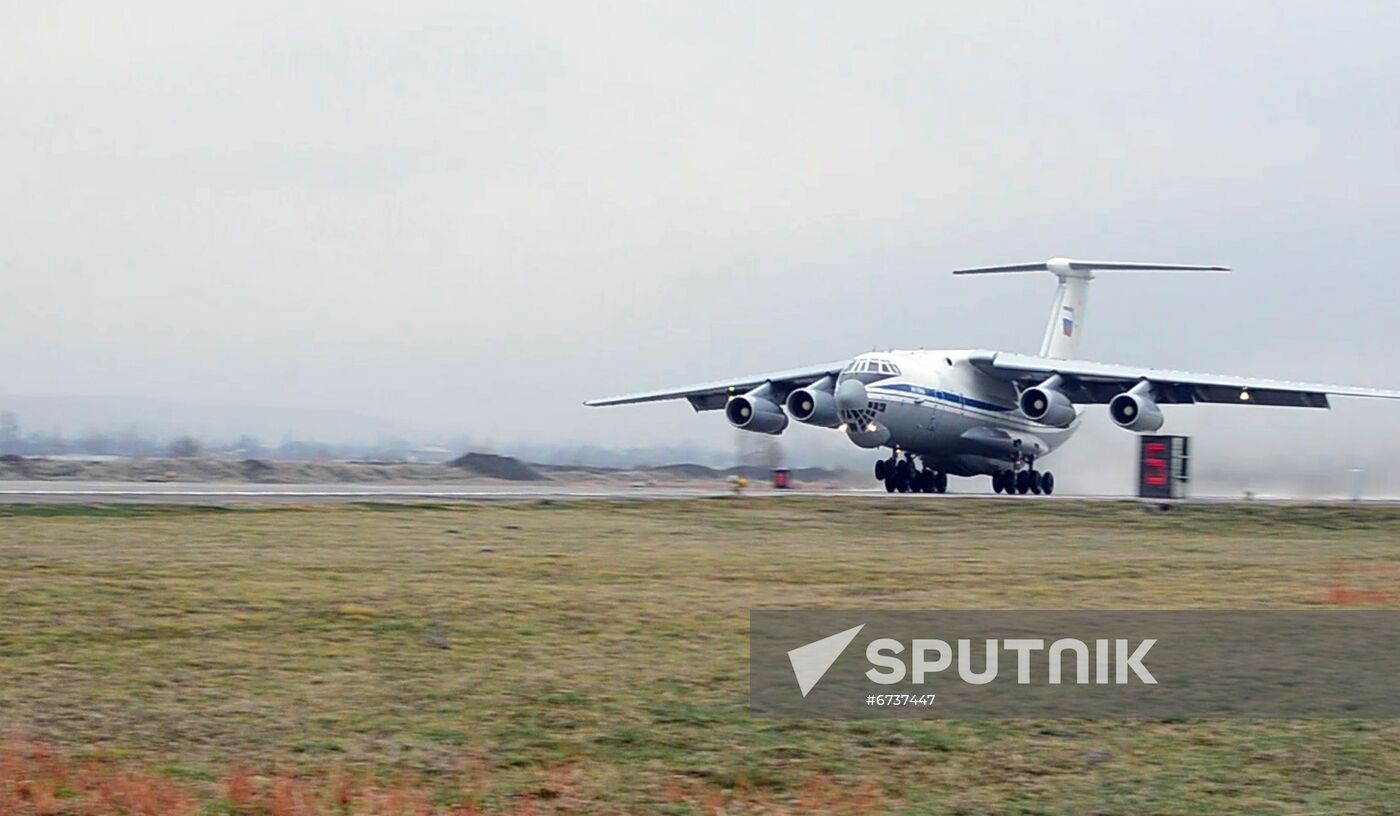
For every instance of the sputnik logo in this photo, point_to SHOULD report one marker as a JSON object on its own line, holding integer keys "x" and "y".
{"x": 811, "y": 662}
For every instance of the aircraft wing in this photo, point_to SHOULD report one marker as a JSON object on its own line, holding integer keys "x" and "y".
{"x": 1087, "y": 382}
{"x": 712, "y": 396}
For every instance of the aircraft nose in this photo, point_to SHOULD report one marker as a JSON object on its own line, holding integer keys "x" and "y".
{"x": 850, "y": 395}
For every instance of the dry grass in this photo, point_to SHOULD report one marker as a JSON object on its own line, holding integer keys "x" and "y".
{"x": 593, "y": 658}
{"x": 37, "y": 781}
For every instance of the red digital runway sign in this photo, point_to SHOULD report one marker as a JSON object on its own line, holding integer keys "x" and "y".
{"x": 1162, "y": 467}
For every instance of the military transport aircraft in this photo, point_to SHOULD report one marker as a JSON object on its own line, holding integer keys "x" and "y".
{"x": 976, "y": 412}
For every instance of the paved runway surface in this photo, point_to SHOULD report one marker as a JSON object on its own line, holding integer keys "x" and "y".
{"x": 54, "y": 492}
{"x": 21, "y": 492}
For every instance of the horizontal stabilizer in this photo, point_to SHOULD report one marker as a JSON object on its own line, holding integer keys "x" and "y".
{"x": 1064, "y": 331}
{"x": 1069, "y": 267}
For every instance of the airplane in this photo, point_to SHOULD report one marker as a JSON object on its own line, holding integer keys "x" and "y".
{"x": 974, "y": 412}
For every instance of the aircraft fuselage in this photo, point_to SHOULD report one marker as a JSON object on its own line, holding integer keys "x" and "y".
{"x": 935, "y": 404}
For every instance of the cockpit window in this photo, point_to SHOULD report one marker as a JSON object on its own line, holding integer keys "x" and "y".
{"x": 879, "y": 368}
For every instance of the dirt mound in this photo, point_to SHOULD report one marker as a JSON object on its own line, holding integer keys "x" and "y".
{"x": 684, "y": 471}
{"x": 497, "y": 467}
{"x": 255, "y": 470}
{"x": 14, "y": 465}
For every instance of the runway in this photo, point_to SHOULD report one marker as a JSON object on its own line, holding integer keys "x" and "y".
{"x": 213, "y": 493}
{"x": 52, "y": 492}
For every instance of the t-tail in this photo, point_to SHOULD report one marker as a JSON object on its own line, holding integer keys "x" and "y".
{"x": 1065, "y": 329}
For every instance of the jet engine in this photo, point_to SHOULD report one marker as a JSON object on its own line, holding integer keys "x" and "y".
{"x": 1134, "y": 409}
{"x": 756, "y": 411}
{"x": 1046, "y": 403}
{"x": 814, "y": 404}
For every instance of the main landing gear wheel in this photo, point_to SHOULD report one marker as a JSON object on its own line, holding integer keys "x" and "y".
{"x": 905, "y": 476}
{"x": 1023, "y": 482}
{"x": 927, "y": 480}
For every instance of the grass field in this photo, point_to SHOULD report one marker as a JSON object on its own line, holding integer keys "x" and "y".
{"x": 592, "y": 657}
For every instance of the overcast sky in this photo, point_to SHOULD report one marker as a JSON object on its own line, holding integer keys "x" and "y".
{"x": 466, "y": 218}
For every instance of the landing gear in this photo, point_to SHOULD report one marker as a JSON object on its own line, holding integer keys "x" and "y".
{"x": 895, "y": 473}
{"x": 1030, "y": 480}
{"x": 930, "y": 481}
{"x": 905, "y": 476}
{"x": 887, "y": 471}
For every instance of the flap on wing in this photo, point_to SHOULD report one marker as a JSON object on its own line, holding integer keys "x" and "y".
{"x": 1087, "y": 382}
{"x": 998, "y": 442}
{"x": 711, "y": 396}
{"x": 707, "y": 402}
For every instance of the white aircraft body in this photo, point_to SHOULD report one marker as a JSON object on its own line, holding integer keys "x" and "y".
{"x": 971, "y": 412}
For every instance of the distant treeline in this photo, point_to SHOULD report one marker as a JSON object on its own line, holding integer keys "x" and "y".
{"x": 130, "y": 442}
{"x": 751, "y": 450}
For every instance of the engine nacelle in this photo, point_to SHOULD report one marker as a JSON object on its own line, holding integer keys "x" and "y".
{"x": 1135, "y": 411}
{"x": 813, "y": 405}
{"x": 755, "y": 412}
{"x": 1047, "y": 405}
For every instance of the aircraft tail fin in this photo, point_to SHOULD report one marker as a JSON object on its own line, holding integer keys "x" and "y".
{"x": 1063, "y": 332}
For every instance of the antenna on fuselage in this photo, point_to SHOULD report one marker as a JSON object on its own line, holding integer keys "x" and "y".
{"x": 1064, "y": 330}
